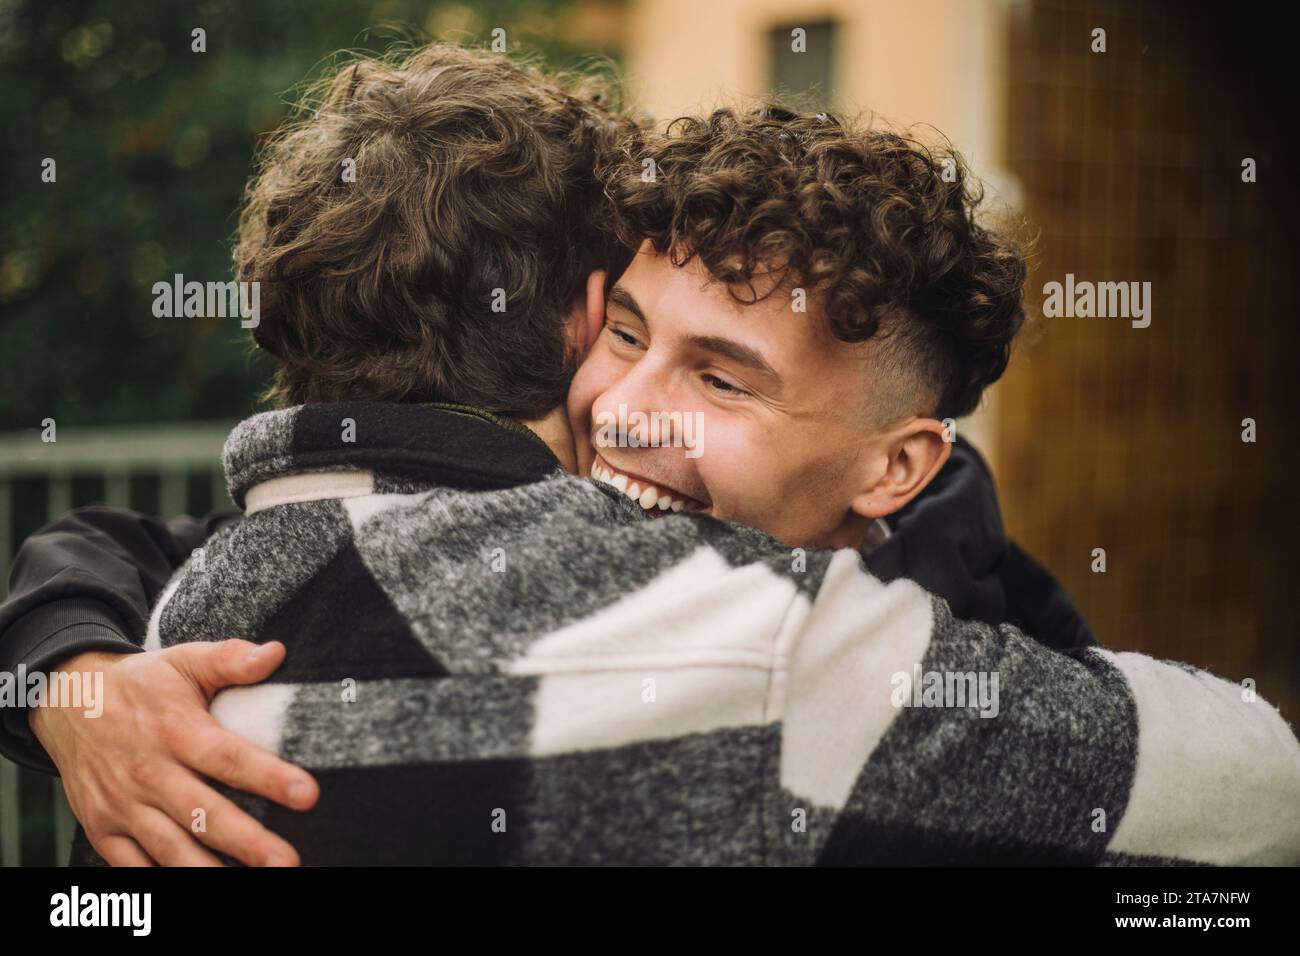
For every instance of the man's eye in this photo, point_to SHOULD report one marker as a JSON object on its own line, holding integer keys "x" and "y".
{"x": 723, "y": 386}
{"x": 624, "y": 337}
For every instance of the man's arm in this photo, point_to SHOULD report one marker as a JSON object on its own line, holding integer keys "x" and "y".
{"x": 80, "y": 598}
{"x": 936, "y": 740}
{"x": 86, "y": 583}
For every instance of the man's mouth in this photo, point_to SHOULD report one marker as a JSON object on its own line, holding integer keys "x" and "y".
{"x": 655, "y": 498}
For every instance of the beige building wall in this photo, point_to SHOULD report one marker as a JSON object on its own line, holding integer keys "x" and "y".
{"x": 936, "y": 62}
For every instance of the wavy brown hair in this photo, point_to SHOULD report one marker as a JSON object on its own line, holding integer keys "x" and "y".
{"x": 880, "y": 227}
{"x": 473, "y": 173}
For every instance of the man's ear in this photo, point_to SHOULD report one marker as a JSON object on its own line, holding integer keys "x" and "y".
{"x": 914, "y": 454}
{"x": 587, "y": 316}
{"x": 594, "y": 316}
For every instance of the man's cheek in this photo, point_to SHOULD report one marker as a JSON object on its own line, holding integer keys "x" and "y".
{"x": 726, "y": 471}
{"x": 582, "y": 392}
{"x": 578, "y": 408}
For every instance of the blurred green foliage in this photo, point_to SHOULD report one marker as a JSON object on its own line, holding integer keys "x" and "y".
{"x": 153, "y": 143}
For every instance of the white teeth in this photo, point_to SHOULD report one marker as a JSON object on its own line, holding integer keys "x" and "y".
{"x": 648, "y": 497}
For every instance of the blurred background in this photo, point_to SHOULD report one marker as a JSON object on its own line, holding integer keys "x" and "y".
{"x": 1127, "y": 164}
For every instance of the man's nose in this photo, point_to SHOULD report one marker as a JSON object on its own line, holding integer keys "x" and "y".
{"x": 642, "y": 401}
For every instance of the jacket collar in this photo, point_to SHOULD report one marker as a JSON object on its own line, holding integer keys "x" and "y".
{"x": 420, "y": 445}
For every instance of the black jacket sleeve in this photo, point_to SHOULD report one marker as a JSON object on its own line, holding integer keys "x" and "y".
{"x": 85, "y": 583}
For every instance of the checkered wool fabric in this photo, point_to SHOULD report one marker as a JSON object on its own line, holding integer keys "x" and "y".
{"x": 490, "y": 661}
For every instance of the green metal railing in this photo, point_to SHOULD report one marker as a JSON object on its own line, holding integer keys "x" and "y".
{"x": 162, "y": 469}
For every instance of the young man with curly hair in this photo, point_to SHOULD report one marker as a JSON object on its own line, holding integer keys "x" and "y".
{"x": 820, "y": 297}
{"x": 482, "y": 658}
{"x": 822, "y": 301}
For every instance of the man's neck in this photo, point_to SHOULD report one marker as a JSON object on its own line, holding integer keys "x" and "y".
{"x": 553, "y": 428}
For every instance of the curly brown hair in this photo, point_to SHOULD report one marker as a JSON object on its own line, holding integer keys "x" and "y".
{"x": 880, "y": 227}
{"x": 472, "y": 173}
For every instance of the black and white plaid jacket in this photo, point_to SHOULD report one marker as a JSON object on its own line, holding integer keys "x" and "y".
{"x": 490, "y": 661}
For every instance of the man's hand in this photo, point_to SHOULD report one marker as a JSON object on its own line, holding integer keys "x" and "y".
{"x": 134, "y": 775}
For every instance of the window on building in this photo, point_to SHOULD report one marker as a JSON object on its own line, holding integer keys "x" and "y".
{"x": 803, "y": 62}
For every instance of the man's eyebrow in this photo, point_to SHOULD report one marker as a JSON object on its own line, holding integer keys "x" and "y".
{"x": 728, "y": 348}
{"x": 741, "y": 354}
{"x": 621, "y": 297}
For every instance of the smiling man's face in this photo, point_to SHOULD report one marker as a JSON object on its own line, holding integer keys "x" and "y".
{"x": 784, "y": 411}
